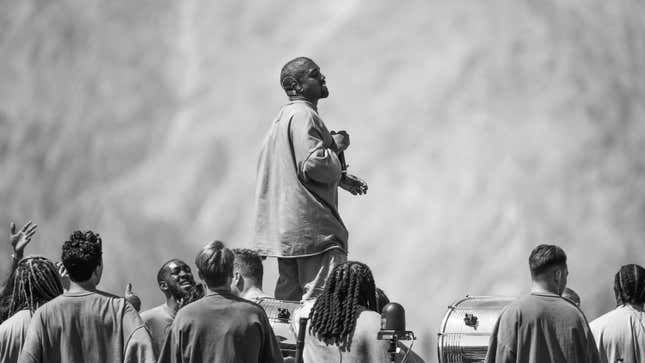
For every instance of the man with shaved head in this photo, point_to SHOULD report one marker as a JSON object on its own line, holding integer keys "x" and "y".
{"x": 300, "y": 168}
{"x": 220, "y": 327}
{"x": 177, "y": 284}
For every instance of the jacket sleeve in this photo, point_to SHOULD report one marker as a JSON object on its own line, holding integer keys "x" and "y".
{"x": 138, "y": 344}
{"x": 313, "y": 147}
{"x": 270, "y": 351}
{"x": 501, "y": 344}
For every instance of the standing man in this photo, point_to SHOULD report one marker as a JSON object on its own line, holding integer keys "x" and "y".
{"x": 300, "y": 168}
{"x": 177, "y": 284}
{"x": 620, "y": 334}
{"x": 84, "y": 324}
{"x": 543, "y": 327}
{"x": 220, "y": 327}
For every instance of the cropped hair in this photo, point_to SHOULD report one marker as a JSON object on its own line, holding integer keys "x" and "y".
{"x": 292, "y": 71}
{"x": 215, "y": 263}
{"x": 545, "y": 256}
{"x": 82, "y": 253}
{"x": 629, "y": 285}
{"x": 349, "y": 287}
{"x": 248, "y": 263}
{"x": 163, "y": 271}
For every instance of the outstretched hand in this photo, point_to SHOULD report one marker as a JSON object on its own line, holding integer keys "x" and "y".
{"x": 353, "y": 184}
{"x": 20, "y": 239}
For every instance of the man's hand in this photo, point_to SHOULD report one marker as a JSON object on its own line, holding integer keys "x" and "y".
{"x": 353, "y": 184}
{"x": 132, "y": 298}
{"x": 341, "y": 139}
{"x": 19, "y": 240}
{"x": 64, "y": 276}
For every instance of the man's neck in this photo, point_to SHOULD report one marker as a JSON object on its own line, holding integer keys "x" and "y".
{"x": 84, "y": 286}
{"x": 172, "y": 304}
{"x": 219, "y": 289}
{"x": 539, "y": 287}
{"x": 314, "y": 103}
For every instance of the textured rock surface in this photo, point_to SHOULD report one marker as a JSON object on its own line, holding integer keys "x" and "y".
{"x": 482, "y": 128}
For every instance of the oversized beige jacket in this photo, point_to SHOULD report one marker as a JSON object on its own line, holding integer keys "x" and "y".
{"x": 297, "y": 187}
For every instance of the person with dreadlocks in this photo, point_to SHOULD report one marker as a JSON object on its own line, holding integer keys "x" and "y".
{"x": 620, "y": 333}
{"x": 542, "y": 326}
{"x": 34, "y": 282}
{"x": 85, "y": 324}
{"x": 18, "y": 240}
{"x": 299, "y": 171}
{"x": 343, "y": 321}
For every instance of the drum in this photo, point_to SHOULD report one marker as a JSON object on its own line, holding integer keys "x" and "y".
{"x": 467, "y": 326}
{"x": 280, "y": 314}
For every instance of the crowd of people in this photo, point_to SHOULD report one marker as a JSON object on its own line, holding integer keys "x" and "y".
{"x": 54, "y": 311}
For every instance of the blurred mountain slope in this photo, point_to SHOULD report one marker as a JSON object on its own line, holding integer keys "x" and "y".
{"x": 483, "y": 129}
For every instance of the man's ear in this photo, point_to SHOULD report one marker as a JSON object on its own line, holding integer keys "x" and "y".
{"x": 238, "y": 281}
{"x": 163, "y": 285}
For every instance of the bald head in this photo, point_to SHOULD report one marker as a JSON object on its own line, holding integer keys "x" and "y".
{"x": 293, "y": 71}
{"x": 301, "y": 79}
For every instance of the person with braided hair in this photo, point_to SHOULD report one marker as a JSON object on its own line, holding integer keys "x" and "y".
{"x": 85, "y": 324}
{"x": 620, "y": 333}
{"x": 343, "y": 321}
{"x": 34, "y": 282}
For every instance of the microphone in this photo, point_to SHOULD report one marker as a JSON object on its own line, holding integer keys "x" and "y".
{"x": 393, "y": 328}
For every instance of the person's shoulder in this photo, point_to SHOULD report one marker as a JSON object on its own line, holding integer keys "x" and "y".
{"x": 21, "y": 318}
{"x": 152, "y": 313}
{"x": 369, "y": 318}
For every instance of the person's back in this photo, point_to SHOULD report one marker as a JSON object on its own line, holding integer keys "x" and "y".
{"x": 543, "y": 328}
{"x": 85, "y": 324}
{"x": 620, "y": 333}
{"x": 87, "y": 327}
{"x": 364, "y": 347}
{"x": 13, "y": 332}
{"x": 220, "y": 327}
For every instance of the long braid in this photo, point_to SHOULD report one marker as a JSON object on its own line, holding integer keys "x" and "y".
{"x": 35, "y": 282}
{"x": 629, "y": 285}
{"x": 349, "y": 289}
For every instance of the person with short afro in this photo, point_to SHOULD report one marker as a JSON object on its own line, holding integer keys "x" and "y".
{"x": 85, "y": 324}
{"x": 620, "y": 333}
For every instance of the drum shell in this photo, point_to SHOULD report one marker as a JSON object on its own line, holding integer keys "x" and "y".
{"x": 467, "y": 326}
{"x": 282, "y": 327}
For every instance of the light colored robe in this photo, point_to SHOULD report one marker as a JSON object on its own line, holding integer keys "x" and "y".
{"x": 620, "y": 334}
{"x": 297, "y": 213}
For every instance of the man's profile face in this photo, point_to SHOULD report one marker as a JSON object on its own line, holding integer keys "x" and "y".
{"x": 313, "y": 83}
{"x": 563, "y": 277}
{"x": 179, "y": 278}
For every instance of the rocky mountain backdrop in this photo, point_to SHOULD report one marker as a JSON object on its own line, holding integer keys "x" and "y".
{"x": 483, "y": 129}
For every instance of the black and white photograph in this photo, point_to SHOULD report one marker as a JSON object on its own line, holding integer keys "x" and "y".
{"x": 191, "y": 181}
